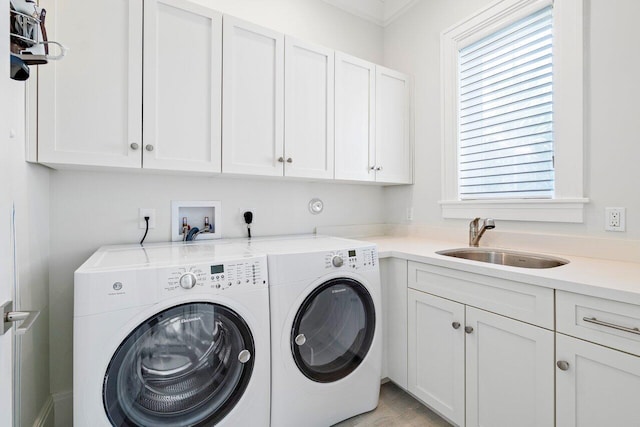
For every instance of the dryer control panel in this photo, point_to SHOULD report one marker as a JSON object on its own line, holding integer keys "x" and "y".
{"x": 216, "y": 277}
{"x": 353, "y": 259}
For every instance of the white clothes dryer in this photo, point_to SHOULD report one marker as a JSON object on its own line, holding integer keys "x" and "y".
{"x": 172, "y": 335}
{"x": 325, "y": 329}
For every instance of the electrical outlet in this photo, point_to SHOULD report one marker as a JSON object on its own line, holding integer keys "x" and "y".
{"x": 151, "y": 213}
{"x": 410, "y": 214}
{"x": 615, "y": 219}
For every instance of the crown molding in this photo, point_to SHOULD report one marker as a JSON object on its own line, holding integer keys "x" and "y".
{"x": 380, "y": 12}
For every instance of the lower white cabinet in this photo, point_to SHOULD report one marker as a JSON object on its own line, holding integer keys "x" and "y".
{"x": 595, "y": 386}
{"x": 479, "y": 368}
{"x": 393, "y": 278}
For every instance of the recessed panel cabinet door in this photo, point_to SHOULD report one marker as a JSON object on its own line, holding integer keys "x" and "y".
{"x": 597, "y": 386}
{"x": 253, "y": 94}
{"x": 436, "y": 342}
{"x": 182, "y": 86}
{"x": 90, "y": 103}
{"x": 393, "y": 141}
{"x": 510, "y": 372}
{"x": 308, "y": 103}
{"x": 355, "y": 119}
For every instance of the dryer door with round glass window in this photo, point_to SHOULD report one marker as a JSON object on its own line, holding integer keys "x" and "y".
{"x": 333, "y": 330}
{"x": 187, "y": 365}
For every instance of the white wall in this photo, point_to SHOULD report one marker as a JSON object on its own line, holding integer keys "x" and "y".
{"x": 91, "y": 209}
{"x": 612, "y": 146}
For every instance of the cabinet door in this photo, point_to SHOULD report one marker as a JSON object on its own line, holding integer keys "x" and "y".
{"x": 510, "y": 372}
{"x": 308, "y": 106}
{"x": 393, "y": 139}
{"x": 182, "y": 86}
{"x": 599, "y": 388}
{"x": 355, "y": 118}
{"x": 252, "y": 99}
{"x": 90, "y": 103}
{"x": 393, "y": 277}
{"x": 436, "y": 354}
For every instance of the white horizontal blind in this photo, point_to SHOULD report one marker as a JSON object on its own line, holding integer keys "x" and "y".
{"x": 506, "y": 112}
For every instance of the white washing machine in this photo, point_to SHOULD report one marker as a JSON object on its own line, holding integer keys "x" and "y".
{"x": 325, "y": 329}
{"x": 172, "y": 335}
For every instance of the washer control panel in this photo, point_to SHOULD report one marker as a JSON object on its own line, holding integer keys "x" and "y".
{"x": 353, "y": 259}
{"x": 217, "y": 277}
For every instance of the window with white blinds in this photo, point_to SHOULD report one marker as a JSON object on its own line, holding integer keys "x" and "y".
{"x": 505, "y": 112}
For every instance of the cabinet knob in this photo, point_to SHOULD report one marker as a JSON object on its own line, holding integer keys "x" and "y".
{"x": 379, "y": 168}
{"x": 281, "y": 159}
{"x": 468, "y": 329}
{"x": 455, "y": 325}
{"x": 373, "y": 167}
{"x": 289, "y": 160}
{"x": 149, "y": 147}
{"x": 134, "y": 146}
{"x": 562, "y": 365}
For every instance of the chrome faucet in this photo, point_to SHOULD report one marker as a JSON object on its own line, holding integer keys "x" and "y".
{"x": 475, "y": 233}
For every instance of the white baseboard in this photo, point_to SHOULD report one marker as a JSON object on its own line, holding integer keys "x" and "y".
{"x": 46, "y": 416}
{"x": 63, "y": 409}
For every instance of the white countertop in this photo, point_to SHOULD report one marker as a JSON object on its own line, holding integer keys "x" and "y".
{"x": 590, "y": 276}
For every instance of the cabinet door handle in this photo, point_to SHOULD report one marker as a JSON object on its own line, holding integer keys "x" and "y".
{"x": 611, "y": 325}
{"x": 379, "y": 168}
{"x": 562, "y": 365}
{"x": 281, "y": 159}
{"x": 468, "y": 329}
{"x": 455, "y": 325}
{"x": 149, "y": 147}
{"x": 134, "y": 146}
{"x": 373, "y": 167}
{"x": 289, "y": 160}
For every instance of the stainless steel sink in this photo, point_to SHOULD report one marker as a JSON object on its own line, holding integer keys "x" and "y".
{"x": 502, "y": 257}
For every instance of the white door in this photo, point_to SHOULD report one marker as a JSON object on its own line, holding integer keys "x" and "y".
{"x": 308, "y": 105}
{"x": 252, "y": 99}
{"x": 182, "y": 86}
{"x": 90, "y": 103}
{"x": 510, "y": 372}
{"x": 597, "y": 387}
{"x": 355, "y": 119}
{"x": 393, "y": 139}
{"x": 436, "y": 353}
{"x": 6, "y": 264}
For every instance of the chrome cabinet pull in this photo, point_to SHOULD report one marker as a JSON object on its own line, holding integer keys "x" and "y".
{"x": 563, "y": 365}
{"x": 9, "y": 317}
{"x": 149, "y": 147}
{"x": 379, "y": 168}
{"x": 468, "y": 329}
{"x": 611, "y": 325}
{"x": 289, "y": 160}
{"x": 281, "y": 159}
{"x": 134, "y": 146}
{"x": 455, "y": 325}
{"x": 373, "y": 167}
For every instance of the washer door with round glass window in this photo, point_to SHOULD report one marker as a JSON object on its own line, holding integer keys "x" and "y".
{"x": 333, "y": 330}
{"x": 186, "y": 366}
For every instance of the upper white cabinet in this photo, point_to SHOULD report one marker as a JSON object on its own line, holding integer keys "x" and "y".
{"x": 253, "y": 99}
{"x": 373, "y": 141}
{"x": 393, "y": 159}
{"x": 308, "y": 105}
{"x": 355, "y": 119}
{"x": 182, "y": 86}
{"x": 90, "y": 103}
{"x": 172, "y": 85}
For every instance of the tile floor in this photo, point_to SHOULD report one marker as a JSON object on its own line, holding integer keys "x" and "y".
{"x": 396, "y": 409}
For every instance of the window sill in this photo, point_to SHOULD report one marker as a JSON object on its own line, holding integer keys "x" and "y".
{"x": 553, "y": 210}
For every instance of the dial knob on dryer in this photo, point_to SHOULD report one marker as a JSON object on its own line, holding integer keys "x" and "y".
{"x": 188, "y": 280}
{"x": 337, "y": 261}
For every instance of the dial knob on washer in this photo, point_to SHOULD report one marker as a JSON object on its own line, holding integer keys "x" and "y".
{"x": 188, "y": 280}
{"x": 337, "y": 261}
